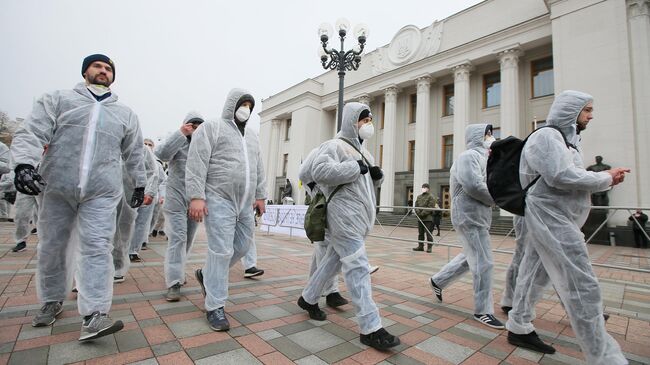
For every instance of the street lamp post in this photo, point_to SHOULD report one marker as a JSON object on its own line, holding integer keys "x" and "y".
{"x": 341, "y": 60}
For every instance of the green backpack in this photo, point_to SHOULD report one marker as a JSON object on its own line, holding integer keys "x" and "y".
{"x": 316, "y": 216}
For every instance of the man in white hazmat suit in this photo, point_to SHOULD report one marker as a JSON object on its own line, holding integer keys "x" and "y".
{"x": 158, "y": 219}
{"x": 557, "y": 205}
{"x": 145, "y": 212}
{"x": 88, "y": 134}
{"x": 225, "y": 181}
{"x": 471, "y": 215}
{"x": 179, "y": 226}
{"x": 331, "y": 292}
{"x": 26, "y": 212}
{"x": 124, "y": 224}
{"x": 350, "y": 217}
{"x": 5, "y": 168}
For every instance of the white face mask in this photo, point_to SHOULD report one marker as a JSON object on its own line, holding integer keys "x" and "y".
{"x": 366, "y": 131}
{"x": 243, "y": 113}
{"x": 488, "y": 141}
{"x": 98, "y": 90}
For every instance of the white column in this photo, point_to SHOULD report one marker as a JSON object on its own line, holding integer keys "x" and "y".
{"x": 364, "y": 99}
{"x": 388, "y": 159}
{"x": 273, "y": 157}
{"x": 461, "y": 105}
{"x": 639, "y": 35}
{"x": 509, "y": 60}
{"x": 422, "y": 131}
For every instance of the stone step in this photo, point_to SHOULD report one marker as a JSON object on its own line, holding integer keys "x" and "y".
{"x": 500, "y": 225}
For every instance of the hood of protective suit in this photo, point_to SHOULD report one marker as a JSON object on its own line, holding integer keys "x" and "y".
{"x": 565, "y": 110}
{"x": 193, "y": 116}
{"x": 233, "y": 101}
{"x": 474, "y": 135}
{"x": 349, "y": 130}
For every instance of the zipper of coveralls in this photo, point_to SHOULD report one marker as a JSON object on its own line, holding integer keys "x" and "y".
{"x": 248, "y": 172}
{"x": 89, "y": 148}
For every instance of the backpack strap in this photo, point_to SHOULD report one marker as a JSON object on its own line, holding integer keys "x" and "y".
{"x": 356, "y": 149}
{"x": 334, "y": 192}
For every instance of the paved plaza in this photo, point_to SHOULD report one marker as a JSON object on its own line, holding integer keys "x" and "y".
{"x": 269, "y": 328}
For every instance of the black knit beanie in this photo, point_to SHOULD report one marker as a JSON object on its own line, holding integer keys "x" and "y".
{"x": 365, "y": 114}
{"x": 96, "y": 57}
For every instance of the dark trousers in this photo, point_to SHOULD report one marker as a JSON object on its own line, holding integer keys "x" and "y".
{"x": 422, "y": 231}
{"x": 640, "y": 239}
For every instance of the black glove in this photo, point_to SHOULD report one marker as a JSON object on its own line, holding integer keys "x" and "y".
{"x": 10, "y": 197}
{"x": 363, "y": 167}
{"x": 376, "y": 173}
{"x": 137, "y": 198}
{"x": 27, "y": 180}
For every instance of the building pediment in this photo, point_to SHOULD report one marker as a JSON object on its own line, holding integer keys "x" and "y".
{"x": 410, "y": 44}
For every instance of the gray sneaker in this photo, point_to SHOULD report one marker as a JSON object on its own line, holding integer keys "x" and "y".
{"x": 173, "y": 293}
{"x": 98, "y": 325}
{"x": 48, "y": 314}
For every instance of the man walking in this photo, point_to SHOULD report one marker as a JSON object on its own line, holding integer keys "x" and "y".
{"x": 88, "y": 134}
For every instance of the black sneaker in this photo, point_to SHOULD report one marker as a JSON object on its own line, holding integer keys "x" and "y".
{"x": 314, "y": 311}
{"x": 489, "y": 320}
{"x": 144, "y": 246}
{"x": 20, "y": 247}
{"x": 217, "y": 320}
{"x": 161, "y": 232}
{"x": 118, "y": 279}
{"x": 530, "y": 341}
{"x": 47, "y": 315}
{"x": 174, "y": 293}
{"x": 154, "y": 233}
{"x": 252, "y": 272}
{"x": 605, "y": 316}
{"x": 134, "y": 257}
{"x": 436, "y": 289}
{"x": 506, "y": 309}
{"x": 335, "y": 300}
{"x": 98, "y": 325}
{"x": 380, "y": 340}
{"x": 199, "y": 277}
{"x": 34, "y": 231}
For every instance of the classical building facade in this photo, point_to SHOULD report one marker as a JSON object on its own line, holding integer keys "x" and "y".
{"x": 501, "y": 62}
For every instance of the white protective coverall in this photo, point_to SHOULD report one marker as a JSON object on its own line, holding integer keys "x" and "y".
{"x": 350, "y": 217}
{"x": 320, "y": 247}
{"x": 26, "y": 212}
{"x": 471, "y": 216}
{"x": 557, "y": 205}
{"x": 179, "y": 228}
{"x": 145, "y": 212}
{"x": 225, "y": 169}
{"x": 5, "y": 159}
{"x": 88, "y": 140}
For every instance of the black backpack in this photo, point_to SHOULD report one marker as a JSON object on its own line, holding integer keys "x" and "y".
{"x": 503, "y": 172}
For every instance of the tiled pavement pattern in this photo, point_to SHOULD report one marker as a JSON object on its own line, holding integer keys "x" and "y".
{"x": 269, "y": 328}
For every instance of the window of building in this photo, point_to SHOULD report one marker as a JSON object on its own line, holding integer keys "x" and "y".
{"x": 285, "y": 162}
{"x": 537, "y": 124}
{"x": 411, "y": 161}
{"x": 381, "y": 155}
{"x": 541, "y": 73}
{"x": 383, "y": 114}
{"x": 492, "y": 89}
{"x": 287, "y": 130}
{"x": 448, "y": 100}
{"x": 447, "y": 151}
{"x": 413, "y": 107}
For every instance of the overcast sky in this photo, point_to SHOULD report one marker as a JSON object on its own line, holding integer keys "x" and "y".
{"x": 175, "y": 56}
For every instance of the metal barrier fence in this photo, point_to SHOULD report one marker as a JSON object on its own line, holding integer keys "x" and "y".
{"x": 411, "y": 210}
{"x": 291, "y": 217}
